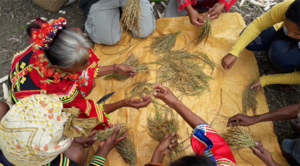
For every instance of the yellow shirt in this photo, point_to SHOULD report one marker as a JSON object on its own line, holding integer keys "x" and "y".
{"x": 274, "y": 17}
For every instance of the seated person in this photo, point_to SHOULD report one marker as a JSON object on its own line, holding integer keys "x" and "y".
{"x": 210, "y": 148}
{"x": 103, "y": 20}
{"x": 290, "y": 148}
{"x": 46, "y": 133}
{"x": 277, "y": 32}
{"x": 61, "y": 62}
{"x": 194, "y": 7}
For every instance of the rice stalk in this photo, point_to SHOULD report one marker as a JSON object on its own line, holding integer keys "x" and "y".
{"x": 131, "y": 16}
{"x": 126, "y": 149}
{"x": 164, "y": 43}
{"x": 249, "y": 100}
{"x": 238, "y": 138}
{"x": 184, "y": 71}
{"x": 205, "y": 31}
{"x": 131, "y": 60}
{"x": 161, "y": 124}
{"x": 102, "y": 135}
{"x": 139, "y": 89}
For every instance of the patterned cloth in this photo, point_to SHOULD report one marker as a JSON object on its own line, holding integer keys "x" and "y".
{"x": 206, "y": 141}
{"x": 204, "y": 3}
{"x": 31, "y": 132}
{"x": 70, "y": 94}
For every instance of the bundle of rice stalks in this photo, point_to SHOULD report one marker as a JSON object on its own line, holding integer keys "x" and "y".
{"x": 102, "y": 135}
{"x": 184, "y": 71}
{"x": 249, "y": 100}
{"x": 139, "y": 89}
{"x": 238, "y": 138}
{"x": 131, "y": 60}
{"x": 127, "y": 151}
{"x": 164, "y": 43}
{"x": 162, "y": 124}
{"x": 131, "y": 16}
{"x": 205, "y": 31}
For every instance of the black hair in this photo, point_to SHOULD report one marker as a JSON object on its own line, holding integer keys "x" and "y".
{"x": 194, "y": 161}
{"x": 293, "y": 12}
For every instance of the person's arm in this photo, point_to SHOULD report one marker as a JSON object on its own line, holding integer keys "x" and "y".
{"x": 121, "y": 69}
{"x": 183, "y": 3}
{"x": 129, "y": 102}
{"x": 284, "y": 113}
{"x": 105, "y": 147}
{"x": 168, "y": 97}
{"x": 263, "y": 154}
{"x": 273, "y": 16}
{"x": 289, "y": 78}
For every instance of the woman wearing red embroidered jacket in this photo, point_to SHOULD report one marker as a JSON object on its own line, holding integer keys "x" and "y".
{"x": 61, "y": 62}
{"x": 194, "y": 7}
{"x": 210, "y": 148}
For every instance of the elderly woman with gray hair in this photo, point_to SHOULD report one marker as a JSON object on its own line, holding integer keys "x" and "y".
{"x": 60, "y": 61}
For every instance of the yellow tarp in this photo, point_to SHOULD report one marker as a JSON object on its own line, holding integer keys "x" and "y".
{"x": 225, "y": 31}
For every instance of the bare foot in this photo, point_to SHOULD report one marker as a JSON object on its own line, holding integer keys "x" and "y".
{"x": 296, "y": 124}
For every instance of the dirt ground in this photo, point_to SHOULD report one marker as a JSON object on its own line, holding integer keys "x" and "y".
{"x": 17, "y": 13}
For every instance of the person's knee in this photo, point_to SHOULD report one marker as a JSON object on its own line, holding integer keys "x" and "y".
{"x": 4, "y": 108}
{"x": 75, "y": 153}
{"x": 279, "y": 54}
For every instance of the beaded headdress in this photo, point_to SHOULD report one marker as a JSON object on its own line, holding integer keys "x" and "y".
{"x": 42, "y": 39}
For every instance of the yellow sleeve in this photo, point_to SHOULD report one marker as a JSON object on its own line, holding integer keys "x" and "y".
{"x": 273, "y": 16}
{"x": 289, "y": 78}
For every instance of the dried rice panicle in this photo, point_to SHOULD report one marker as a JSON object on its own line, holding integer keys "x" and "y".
{"x": 249, "y": 100}
{"x": 205, "y": 31}
{"x": 162, "y": 124}
{"x": 126, "y": 149}
{"x": 139, "y": 89}
{"x": 238, "y": 138}
{"x": 102, "y": 135}
{"x": 164, "y": 43}
{"x": 206, "y": 60}
{"x": 131, "y": 60}
{"x": 131, "y": 16}
{"x": 181, "y": 70}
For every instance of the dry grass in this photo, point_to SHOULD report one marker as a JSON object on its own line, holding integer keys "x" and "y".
{"x": 164, "y": 43}
{"x": 249, "y": 100}
{"x": 238, "y": 138}
{"x": 205, "y": 32}
{"x": 127, "y": 151}
{"x": 131, "y": 60}
{"x": 139, "y": 89}
{"x": 184, "y": 71}
{"x": 131, "y": 16}
{"x": 102, "y": 135}
{"x": 161, "y": 124}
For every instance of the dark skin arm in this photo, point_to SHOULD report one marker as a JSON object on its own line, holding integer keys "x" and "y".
{"x": 168, "y": 97}
{"x": 122, "y": 69}
{"x": 129, "y": 102}
{"x": 284, "y": 113}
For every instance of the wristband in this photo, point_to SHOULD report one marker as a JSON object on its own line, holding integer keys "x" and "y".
{"x": 116, "y": 68}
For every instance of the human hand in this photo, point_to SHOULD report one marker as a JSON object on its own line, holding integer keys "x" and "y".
{"x": 126, "y": 70}
{"x": 195, "y": 18}
{"x": 241, "y": 120}
{"x": 87, "y": 142}
{"x": 257, "y": 86}
{"x": 228, "y": 61}
{"x": 168, "y": 143}
{"x": 138, "y": 103}
{"x": 105, "y": 146}
{"x": 165, "y": 95}
{"x": 216, "y": 10}
{"x": 263, "y": 154}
